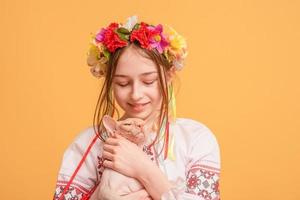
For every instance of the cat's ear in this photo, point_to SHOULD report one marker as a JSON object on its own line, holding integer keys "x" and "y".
{"x": 110, "y": 124}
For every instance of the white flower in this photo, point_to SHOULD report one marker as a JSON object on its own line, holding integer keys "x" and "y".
{"x": 178, "y": 64}
{"x": 131, "y": 21}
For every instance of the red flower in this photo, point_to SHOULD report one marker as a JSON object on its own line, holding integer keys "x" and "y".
{"x": 113, "y": 26}
{"x": 143, "y": 35}
{"x": 111, "y": 39}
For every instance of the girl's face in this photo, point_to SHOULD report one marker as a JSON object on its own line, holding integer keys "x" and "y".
{"x": 136, "y": 85}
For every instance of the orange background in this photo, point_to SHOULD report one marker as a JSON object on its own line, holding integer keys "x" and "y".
{"x": 241, "y": 79}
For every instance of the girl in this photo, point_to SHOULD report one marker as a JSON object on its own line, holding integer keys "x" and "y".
{"x": 180, "y": 158}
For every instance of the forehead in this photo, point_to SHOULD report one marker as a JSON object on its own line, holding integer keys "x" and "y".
{"x": 133, "y": 63}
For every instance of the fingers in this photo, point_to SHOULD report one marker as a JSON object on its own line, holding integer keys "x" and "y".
{"x": 108, "y": 148}
{"x": 107, "y": 155}
{"x": 112, "y": 144}
{"x": 112, "y": 140}
{"x": 108, "y": 164}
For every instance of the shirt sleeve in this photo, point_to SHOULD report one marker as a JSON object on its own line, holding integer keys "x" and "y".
{"x": 86, "y": 178}
{"x": 202, "y": 171}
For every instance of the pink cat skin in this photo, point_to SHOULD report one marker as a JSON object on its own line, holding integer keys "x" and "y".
{"x": 133, "y": 130}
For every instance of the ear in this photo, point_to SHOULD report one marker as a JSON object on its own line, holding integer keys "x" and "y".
{"x": 170, "y": 74}
{"x": 110, "y": 124}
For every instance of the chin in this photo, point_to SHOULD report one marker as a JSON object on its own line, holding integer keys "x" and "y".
{"x": 141, "y": 115}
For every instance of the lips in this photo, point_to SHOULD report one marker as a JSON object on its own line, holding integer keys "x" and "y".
{"x": 138, "y": 107}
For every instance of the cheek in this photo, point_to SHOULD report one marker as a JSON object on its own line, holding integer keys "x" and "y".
{"x": 155, "y": 93}
{"x": 119, "y": 94}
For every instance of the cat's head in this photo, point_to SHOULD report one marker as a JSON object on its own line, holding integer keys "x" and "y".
{"x": 130, "y": 128}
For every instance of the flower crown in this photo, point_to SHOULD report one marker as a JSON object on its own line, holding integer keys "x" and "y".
{"x": 164, "y": 39}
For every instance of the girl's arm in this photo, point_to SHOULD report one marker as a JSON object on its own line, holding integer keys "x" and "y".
{"x": 154, "y": 180}
{"x": 202, "y": 172}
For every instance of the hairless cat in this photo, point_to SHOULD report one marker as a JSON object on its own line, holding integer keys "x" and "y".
{"x": 134, "y": 130}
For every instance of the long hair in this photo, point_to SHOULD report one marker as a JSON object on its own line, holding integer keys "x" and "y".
{"x": 106, "y": 103}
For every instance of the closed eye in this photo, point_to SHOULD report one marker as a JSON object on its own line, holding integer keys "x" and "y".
{"x": 149, "y": 82}
{"x": 122, "y": 84}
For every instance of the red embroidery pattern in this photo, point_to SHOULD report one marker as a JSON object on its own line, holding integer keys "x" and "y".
{"x": 148, "y": 151}
{"x": 203, "y": 181}
{"x": 100, "y": 166}
{"x": 73, "y": 193}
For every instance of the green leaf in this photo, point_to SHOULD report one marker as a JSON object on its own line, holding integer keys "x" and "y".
{"x": 106, "y": 53}
{"x": 123, "y": 36}
{"x": 123, "y": 30}
{"x": 136, "y": 26}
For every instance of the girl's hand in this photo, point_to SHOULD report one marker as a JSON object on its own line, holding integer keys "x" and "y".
{"x": 128, "y": 159}
{"x": 125, "y": 157}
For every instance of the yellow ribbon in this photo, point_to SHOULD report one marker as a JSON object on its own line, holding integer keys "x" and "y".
{"x": 171, "y": 154}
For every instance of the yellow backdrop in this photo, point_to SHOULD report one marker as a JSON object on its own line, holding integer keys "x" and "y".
{"x": 241, "y": 79}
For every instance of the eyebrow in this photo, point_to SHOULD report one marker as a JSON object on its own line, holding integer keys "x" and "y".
{"x": 143, "y": 74}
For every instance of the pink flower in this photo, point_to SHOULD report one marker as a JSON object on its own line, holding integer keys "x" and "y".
{"x": 158, "y": 40}
{"x": 150, "y": 37}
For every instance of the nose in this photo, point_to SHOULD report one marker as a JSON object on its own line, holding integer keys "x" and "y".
{"x": 136, "y": 92}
